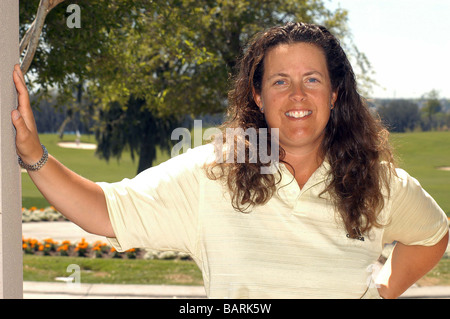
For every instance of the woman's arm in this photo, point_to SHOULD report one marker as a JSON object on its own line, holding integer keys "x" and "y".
{"x": 80, "y": 200}
{"x": 406, "y": 265}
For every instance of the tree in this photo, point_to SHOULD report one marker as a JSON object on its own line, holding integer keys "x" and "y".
{"x": 146, "y": 65}
{"x": 430, "y": 111}
{"x": 178, "y": 61}
{"x": 400, "y": 115}
{"x": 61, "y": 55}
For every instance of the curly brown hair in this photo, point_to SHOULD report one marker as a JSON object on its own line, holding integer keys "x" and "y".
{"x": 355, "y": 142}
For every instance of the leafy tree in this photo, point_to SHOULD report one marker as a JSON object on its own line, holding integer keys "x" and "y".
{"x": 178, "y": 60}
{"x": 60, "y": 60}
{"x": 146, "y": 65}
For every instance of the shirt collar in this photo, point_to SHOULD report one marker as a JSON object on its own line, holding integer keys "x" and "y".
{"x": 289, "y": 187}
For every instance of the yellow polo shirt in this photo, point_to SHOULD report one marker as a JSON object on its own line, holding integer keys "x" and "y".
{"x": 292, "y": 247}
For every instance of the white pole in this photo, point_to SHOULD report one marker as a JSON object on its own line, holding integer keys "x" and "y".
{"x": 11, "y": 276}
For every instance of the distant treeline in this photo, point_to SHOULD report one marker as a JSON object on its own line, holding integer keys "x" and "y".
{"x": 54, "y": 118}
{"x": 401, "y": 115}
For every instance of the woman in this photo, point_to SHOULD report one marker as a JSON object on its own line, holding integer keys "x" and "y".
{"x": 312, "y": 229}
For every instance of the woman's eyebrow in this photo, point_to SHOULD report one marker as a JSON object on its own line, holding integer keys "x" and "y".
{"x": 278, "y": 74}
{"x": 282, "y": 74}
{"x": 313, "y": 72}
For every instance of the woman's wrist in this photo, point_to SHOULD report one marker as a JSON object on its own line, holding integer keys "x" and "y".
{"x": 36, "y": 164}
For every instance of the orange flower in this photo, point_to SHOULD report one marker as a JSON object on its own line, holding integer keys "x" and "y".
{"x": 33, "y": 242}
{"x": 50, "y": 241}
{"x": 63, "y": 247}
{"x": 99, "y": 243}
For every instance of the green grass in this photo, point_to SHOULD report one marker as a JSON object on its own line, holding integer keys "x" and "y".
{"x": 421, "y": 153}
{"x": 83, "y": 162}
{"x": 113, "y": 271}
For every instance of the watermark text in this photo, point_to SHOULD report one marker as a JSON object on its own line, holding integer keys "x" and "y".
{"x": 74, "y": 19}
{"x": 241, "y": 145}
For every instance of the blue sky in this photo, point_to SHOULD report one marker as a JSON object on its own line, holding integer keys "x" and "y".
{"x": 406, "y": 41}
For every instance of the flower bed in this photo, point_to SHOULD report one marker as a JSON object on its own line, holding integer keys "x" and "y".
{"x": 49, "y": 247}
{"x": 99, "y": 249}
{"x": 35, "y": 214}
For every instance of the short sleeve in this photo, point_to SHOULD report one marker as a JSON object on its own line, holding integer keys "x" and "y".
{"x": 415, "y": 217}
{"x": 158, "y": 209}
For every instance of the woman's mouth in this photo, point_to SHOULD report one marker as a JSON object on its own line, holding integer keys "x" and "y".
{"x": 298, "y": 114}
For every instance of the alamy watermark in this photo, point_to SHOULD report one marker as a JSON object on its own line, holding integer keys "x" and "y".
{"x": 237, "y": 141}
{"x": 74, "y": 279}
{"x": 74, "y": 19}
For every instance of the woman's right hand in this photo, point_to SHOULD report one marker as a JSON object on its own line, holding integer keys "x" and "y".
{"x": 79, "y": 199}
{"x": 28, "y": 146}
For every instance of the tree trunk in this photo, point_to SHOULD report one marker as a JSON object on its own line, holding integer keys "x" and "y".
{"x": 31, "y": 38}
{"x": 147, "y": 152}
{"x": 63, "y": 126}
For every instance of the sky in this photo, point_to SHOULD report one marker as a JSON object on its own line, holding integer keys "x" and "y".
{"x": 407, "y": 43}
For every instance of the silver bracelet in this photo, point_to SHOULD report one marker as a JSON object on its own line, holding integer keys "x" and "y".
{"x": 37, "y": 166}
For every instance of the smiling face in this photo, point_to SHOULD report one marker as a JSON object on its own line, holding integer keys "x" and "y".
{"x": 296, "y": 95}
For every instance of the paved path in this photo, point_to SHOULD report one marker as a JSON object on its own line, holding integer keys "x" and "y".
{"x": 431, "y": 292}
{"x": 58, "y": 290}
{"x": 59, "y": 231}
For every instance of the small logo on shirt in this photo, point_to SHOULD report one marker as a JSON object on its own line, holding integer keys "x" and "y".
{"x": 356, "y": 235}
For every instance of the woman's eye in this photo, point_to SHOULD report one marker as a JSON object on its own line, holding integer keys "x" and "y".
{"x": 280, "y": 82}
{"x": 312, "y": 80}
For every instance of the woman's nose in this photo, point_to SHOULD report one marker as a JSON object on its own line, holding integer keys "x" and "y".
{"x": 298, "y": 93}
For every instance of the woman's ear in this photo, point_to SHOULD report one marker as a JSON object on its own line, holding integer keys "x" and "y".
{"x": 334, "y": 96}
{"x": 257, "y": 99}
{"x": 333, "y": 100}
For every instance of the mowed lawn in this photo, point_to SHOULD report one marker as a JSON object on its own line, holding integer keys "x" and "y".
{"x": 83, "y": 162}
{"x": 421, "y": 154}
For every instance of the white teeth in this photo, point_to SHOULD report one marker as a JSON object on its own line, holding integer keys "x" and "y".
{"x": 298, "y": 114}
